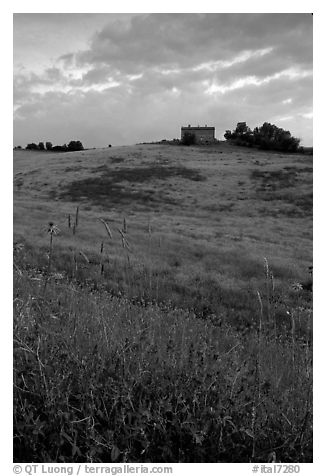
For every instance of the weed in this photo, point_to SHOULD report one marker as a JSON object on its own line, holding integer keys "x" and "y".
{"x": 151, "y": 343}
{"x": 148, "y": 384}
{"x": 52, "y": 230}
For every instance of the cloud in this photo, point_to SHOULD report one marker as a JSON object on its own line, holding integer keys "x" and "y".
{"x": 193, "y": 39}
{"x": 255, "y": 81}
{"x": 151, "y": 72}
{"x": 307, "y": 115}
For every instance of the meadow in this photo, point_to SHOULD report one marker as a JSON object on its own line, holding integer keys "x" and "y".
{"x": 156, "y": 317}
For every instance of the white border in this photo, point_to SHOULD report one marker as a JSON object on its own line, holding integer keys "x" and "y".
{"x": 96, "y": 6}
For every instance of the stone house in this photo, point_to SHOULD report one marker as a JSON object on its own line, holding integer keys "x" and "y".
{"x": 203, "y": 134}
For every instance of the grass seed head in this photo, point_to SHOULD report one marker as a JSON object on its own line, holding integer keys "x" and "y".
{"x": 52, "y": 229}
{"x": 106, "y": 227}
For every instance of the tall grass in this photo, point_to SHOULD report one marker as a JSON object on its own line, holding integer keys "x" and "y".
{"x": 102, "y": 376}
{"x": 52, "y": 230}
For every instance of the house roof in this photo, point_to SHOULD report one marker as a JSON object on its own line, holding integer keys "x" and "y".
{"x": 205, "y": 128}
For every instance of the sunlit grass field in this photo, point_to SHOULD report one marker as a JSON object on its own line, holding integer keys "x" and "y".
{"x": 157, "y": 321}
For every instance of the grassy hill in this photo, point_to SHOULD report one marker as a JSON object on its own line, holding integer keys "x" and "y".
{"x": 160, "y": 323}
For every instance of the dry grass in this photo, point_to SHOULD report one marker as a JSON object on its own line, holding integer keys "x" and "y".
{"x": 215, "y": 212}
{"x": 148, "y": 340}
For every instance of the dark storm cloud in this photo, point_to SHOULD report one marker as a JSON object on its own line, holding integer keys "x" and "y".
{"x": 181, "y": 40}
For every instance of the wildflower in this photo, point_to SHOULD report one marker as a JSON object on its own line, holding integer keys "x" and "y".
{"x": 52, "y": 229}
{"x": 297, "y": 286}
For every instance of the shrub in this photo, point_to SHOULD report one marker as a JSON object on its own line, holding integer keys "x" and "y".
{"x": 75, "y": 145}
{"x": 72, "y": 146}
{"x": 32, "y": 146}
{"x": 228, "y": 135}
{"x": 60, "y": 148}
{"x": 266, "y": 137}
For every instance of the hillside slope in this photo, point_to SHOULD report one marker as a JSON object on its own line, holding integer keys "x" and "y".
{"x": 155, "y": 318}
{"x": 217, "y": 211}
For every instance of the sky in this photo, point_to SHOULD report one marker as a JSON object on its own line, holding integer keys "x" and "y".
{"x": 126, "y": 78}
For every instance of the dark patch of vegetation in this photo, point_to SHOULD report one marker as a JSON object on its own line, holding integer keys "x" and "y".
{"x": 154, "y": 172}
{"x": 305, "y": 202}
{"x": 32, "y": 146}
{"x": 74, "y": 145}
{"x": 108, "y": 188}
{"x": 104, "y": 193}
{"x": 271, "y": 185}
{"x": 275, "y": 179}
{"x": 293, "y": 204}
{"x": 117, "y": 160}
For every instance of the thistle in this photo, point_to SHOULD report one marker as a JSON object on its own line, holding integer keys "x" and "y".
{"x": 51, "y": 229}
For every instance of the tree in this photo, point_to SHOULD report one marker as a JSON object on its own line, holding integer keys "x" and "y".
{"x": 268, "y": 137}
{"x": 75, "y": 145}
{"x": 60, "y": 148}
{"x": 242, "y": 129}
{"x": 228, "y": 135}
{"x": 32, "y": 146}
{"x": 41, "y": 146}
{"x": 271, "y": 137}
{"x": 48, "y": 145}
